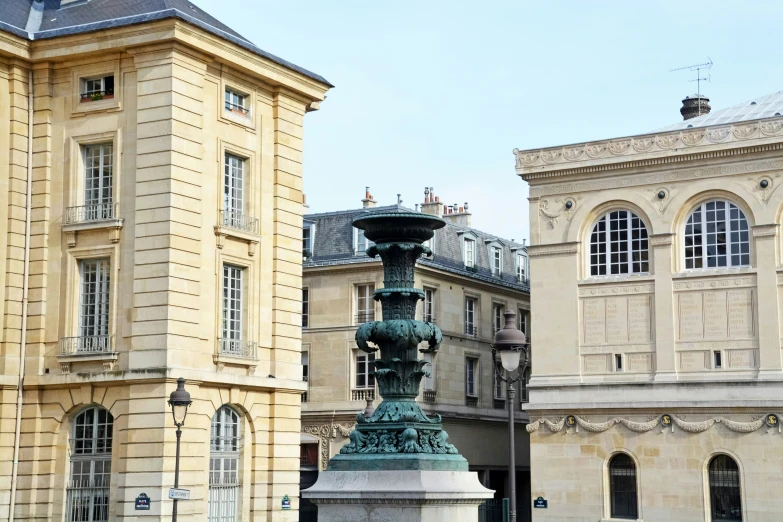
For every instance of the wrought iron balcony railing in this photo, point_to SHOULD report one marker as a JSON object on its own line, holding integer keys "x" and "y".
{"x": 362, "y": 394}
{"x": 471, "y": 330}
{"x": 239, "y": 221}
{"x": 233, "y": 107}
{"x": 430, "y": 396}
{"x": 364, "y": 317}
{"x": 94, "y": 212}
{"x": 238, "y": 348}
{"x": 471, "y": 401}
{"x": 85, "y": 344}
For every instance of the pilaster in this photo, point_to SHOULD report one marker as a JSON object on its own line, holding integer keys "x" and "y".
{"x": 665, "y": 361}
{"x": 765, "y": 238}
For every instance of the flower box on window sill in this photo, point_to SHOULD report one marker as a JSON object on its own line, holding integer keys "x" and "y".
{"x": 97, "y": 96}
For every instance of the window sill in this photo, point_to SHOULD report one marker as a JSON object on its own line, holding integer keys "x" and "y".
{"x": 621, "y": 520}
{"x": 105, "y": 104}
{"x": 710, "y": 272}
{"x": 221, "y": 360}
{"x": 113, "y": 225}
{"x": 109, "y": 359}
{"x": 223, "y": 231}
{"x": 618, "y": 278}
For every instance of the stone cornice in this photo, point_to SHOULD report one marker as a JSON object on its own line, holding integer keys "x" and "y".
{"x": 555, "y": 249}
{"x": 651, "y": 149}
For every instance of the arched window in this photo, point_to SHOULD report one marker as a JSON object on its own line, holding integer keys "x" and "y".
{"x": 725, "y": 501}
{"x": 224, "y": 466}
{"x": 716, "y": 235}
{"x": 88, "y": 488}
{"x": 618, "y": 245}
{"x": 622, "y": 487}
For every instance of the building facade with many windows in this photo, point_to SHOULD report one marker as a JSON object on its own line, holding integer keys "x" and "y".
{"x": 466, "y": 292}
{"x": 658, "y": 301}
{"x": 149, "y": 230}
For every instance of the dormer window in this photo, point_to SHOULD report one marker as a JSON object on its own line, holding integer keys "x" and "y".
{"x": 521, "y": 268}
{"x": 307, "y": 242}
{"x": 96, "y": 89}
{"x": 497, "y": 260}
{"x": 237, "y": 102}
{"x": 469, "y": 253}
{"x": 361, "y": 243}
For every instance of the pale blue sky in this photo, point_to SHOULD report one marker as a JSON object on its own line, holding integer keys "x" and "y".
{"x": 438, "y": 93}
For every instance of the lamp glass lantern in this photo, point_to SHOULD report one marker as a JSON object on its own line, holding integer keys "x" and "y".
{"x": 510, "y": 342}
{"x": 179, "y": 400}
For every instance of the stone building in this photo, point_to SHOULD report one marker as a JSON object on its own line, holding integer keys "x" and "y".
{"x": 150, "y": 229}
{"x": 658, "y": 298}
{"x": 472, "y": 278}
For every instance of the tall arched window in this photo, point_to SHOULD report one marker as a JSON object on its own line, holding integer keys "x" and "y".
{"x": 618, "y": 245}
{"x": 224, "y": 466}
{"x": 622, "y": 487}
{"x": 725, "y": 500}
{"x": 716, "y": 235}
{"x": 88, "y": 488}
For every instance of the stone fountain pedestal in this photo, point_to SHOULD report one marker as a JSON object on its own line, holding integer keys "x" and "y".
{"x": 398, "y": 496}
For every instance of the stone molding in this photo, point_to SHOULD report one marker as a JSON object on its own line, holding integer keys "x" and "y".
{"x": 641, "y": 288}
{"x": 765, "y": 230}
{"x": 325, "y": 432}
{"x": 662, "y": 239}
{"x": 730, "y": 344}
{"x": 651, "y": 424}
{"x": 396, "y": 501}
{"x": 662, "y": 177}
{"x": 554, "y": 249}
{"x": 723, "y": 282}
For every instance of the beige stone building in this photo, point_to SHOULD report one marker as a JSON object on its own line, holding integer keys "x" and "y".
{"x": 470, "y": 281}
{"x": 150, "y": 229}
{"x": 655, "y": 392}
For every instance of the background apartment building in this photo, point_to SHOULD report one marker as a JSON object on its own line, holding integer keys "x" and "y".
{"x": 470, "y": 281}
{"x": 658, "y": 298}
{"x": 150, "y": 229}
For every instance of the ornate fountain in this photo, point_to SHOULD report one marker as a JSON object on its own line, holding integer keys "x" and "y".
{"x": 398, "y": 435}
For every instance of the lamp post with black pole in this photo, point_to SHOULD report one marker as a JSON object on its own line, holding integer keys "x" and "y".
{"x": 179, "y": 400}
{"x": 512, "y": 345}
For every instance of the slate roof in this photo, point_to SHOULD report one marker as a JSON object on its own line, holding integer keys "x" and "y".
{"x": 334, "y": 235}
{"x": 768, "y": 106}
{"x": 95, "y": 15}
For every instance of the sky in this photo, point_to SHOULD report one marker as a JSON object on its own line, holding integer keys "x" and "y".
{"x": 438, "y": 93}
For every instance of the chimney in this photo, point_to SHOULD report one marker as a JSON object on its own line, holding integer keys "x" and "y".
{"x": 457, "y": 214}
{"x": 368, "y": 202}
{"x": 695, "y": 106}
{"x": 432, "y": 204}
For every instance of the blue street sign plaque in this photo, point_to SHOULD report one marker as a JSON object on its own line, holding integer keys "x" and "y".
{"x": 540, "y": 503}
{"x": 286, "y": 502}
{"x": 143, "y": 502}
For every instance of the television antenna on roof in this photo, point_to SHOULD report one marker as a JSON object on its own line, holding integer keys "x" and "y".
{"x": 699, "y": 78}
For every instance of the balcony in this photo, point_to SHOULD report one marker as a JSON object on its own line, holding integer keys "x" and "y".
{"x": 471, "y": 401}
{"x": 362, "y": 394}
{"x": 96, "y": 216}
{"x": 235, "y": 224}
{"x": 238, "y": 348}
{"x": 364, "y": 317}
{"x": 471, "y": 330}
{"x": 87, "y": 348}
{"x": 430, "y": 396}
{"x": 239, "y": 221}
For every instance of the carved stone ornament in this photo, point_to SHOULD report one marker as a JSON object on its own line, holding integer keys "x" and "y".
{"x": 667, "y": 141}
{"x": 324, "y": 432}
{"x": 718, "y": 135}
{"x": 596, "y": 151}
{"x": 525, "y": 159}
{"x": 619, "y": 147}
{"x": 573, "y": 153}
{"x": 744, "y": 132}
{"x": 765, "y": 230}
{"x": 554, "y": 217}
{"x": 771, "y": 128}
{"x": 654, "y": 421}
{"x": 693, "y": 138}
{"x": 642, "y": 144}
{"x": 550, "y": 156}
{"x": 706, "y": 284}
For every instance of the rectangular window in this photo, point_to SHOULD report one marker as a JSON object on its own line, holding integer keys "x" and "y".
{"x": 497, "y": 317}
{"x": 618, "y": 363}
{"x": 365, "y": 305}
{"x": 307, "y": 244}
{"x": 718, "y": 360}
{"x": 521, "y": 268}
{"x": 98, "y": 169}
{"x": 429, "y": 305}
{"x": 361, "y": 242}
{"x": 308, "y": 455}
{"x": 305, "y": 307}
{"x": 523, "y": 319}
{"x": 497, "y": 388}
{"x": 470, "y": 317}
{"x": 305, "y": 365}
{"x": 94, "y": 304}
{"x": 429, "y": 380}
{"x": 95, "y": 89}
{"x": 232, "y": 303}
{"x": 470, "y": 253}
{"x": 233, "y": 191}
{"x": 497, "y": 261}
{"x": 236, "y": 102}
{"x": 364, "y": 367}
{"x": 471, "y": 377}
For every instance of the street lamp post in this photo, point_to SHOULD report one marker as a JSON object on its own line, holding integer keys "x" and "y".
{"x": 179, "y": 400}
{"x": 513, "y": 348}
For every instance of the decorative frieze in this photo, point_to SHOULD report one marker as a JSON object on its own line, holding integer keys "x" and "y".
{"x": 653, "y": 422}
{"x": 765, "y": 230}
{"x": 722, "y": 282}
{"x": 593, "y": 289}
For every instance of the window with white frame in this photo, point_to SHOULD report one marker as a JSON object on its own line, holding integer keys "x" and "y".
{"x": 429, "y": 305}
{"x": 470, "y": 316}
{"x": 497, "y": 383}
{"x": 497, "y": 260}
{"x": 429, "y": 379}
{"x": 365, "y": 305}
{"x": 717, "y": 236}
{"x": 237, "y": 102}
{"x": 361, "y": 243}
{"x": 224, "y": 476}
{"x": 232, "y": 310}
{"x": 94, "y": 305}
{"x": 233, "y": 191}
{"x": 89, "y": 486}
{"x": 523, "y": 321}
{"x": 619, "y": 245}
{"x": 307, "y": 242}
{"x": 521, "y": 268}
{"x": 98, "y": 88}
{"x": 471, "y": 377}
{"x": 469, "y": 252}
{"x": 98, "y": 182}
{"x": 305, "y": 307}
{"x": 305, "y": 365}
{"x": 365, "y": 379}
{"x": 497, "y": 317}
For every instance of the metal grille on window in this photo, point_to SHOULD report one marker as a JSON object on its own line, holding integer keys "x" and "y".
{"x": 233, "y": 190}
{"x": 725, "y": 500}
{"x": 88, "y": 488}
{"x": 364, "y": 367}
{"x": 622, "y": 486}
{"x": 94, "y": 303}
{"x": 98, "y": 168}
{"x": 365, "y": 305}
{"x": 619, "y": 245}
{"x": 717, "y": 236}
{"x": 224, "y": 466}
{"x": 232, "y": 309}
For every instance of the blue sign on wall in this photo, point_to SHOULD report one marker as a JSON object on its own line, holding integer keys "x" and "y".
{"x": 540, "y": 503}
{"x": 143, "y": 502}
{"x": 286, "y": 502}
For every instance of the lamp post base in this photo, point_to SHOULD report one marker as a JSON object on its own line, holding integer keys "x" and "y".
{"x": 399, "y": 496}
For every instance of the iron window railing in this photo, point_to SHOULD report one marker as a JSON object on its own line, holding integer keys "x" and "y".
{"x": 430, "y": 396}
{"x": 87, "y": 501}
{"x": 233, "y": 107}
{"x": 362, "y": 394}
{"x": 238, "y": 348}
{"x": 223, "y": 500}
{"x": 471, "y": 330}
{"x": 471, "y": 401}
{"x": 364, "y": 317}
{"x": 94, "y": 212}
{"x": 86, "y": 344}
{"x": 239, "y": 221}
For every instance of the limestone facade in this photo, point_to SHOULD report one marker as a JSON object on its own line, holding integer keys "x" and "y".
{"x": 135, "y": 261}
{"x": 672, "y": 362}
{"x": 337, "y": 275}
